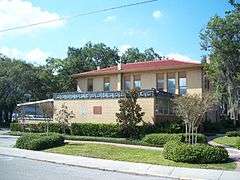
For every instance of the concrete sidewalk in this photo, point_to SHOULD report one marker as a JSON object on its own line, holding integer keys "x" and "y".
{"x": 124, "y": 167}
{"x": 233, "y": 153}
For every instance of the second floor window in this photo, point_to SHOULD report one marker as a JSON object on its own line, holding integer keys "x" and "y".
{"x": 160, "y": 82}
{"x": 171, "y": 86}
{"x": 182, "y": 83}
{"x": 127, "y": 83}
{"x": 90, "y": 85}
{"x": 106, "y": 84}
{"x": 137, "y": 82}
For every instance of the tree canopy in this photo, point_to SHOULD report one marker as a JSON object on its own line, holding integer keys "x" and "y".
{"x": 21, "y": 81}
{"x": 221, "y": 39}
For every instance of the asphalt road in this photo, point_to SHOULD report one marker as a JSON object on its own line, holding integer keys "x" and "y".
{"x": 13, "y": 168}
{"x": 7, "y": 141}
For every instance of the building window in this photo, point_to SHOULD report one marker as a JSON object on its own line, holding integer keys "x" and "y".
{"x": 106, "y": 84}
{"x": 127, "y": 83}
{"x": 90, "y": 84}
{"x": 137, "y": 82}
{"x": 163, "y": 106}
{"x": 160, "y": 82}
{"x": 171, "y": 83}
{"x": 97, "y": 110}
{"x": 182, "y": 83}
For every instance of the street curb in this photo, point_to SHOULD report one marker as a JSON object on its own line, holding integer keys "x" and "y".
{"x": 102, "y": 169}
{"x": 96, "y": 168}
{"x": 141, "y": 169}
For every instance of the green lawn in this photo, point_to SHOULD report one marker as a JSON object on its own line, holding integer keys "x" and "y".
{"x": 129, "y": 154}
{"x": 229, "y": 141}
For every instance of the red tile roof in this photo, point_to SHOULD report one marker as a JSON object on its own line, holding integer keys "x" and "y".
{"x": 141, "y": 66}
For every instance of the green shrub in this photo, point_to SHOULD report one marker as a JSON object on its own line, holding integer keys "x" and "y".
{"x": 39, "y": 141}
{"x": 16, "y": 133}
{"x": 38, "y": 127}
{"x": 197, "y": 153}
{"x": 89, "y": 129}
{"x": 16, "y": 127}
{"x": 161, "y": 139}
{"x": 233, "y": 133}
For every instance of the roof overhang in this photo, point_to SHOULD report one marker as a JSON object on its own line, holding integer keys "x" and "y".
{"x": 100, "y": 73}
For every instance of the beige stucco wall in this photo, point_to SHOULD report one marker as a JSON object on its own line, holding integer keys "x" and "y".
{"x": 97, "y": 83}
{"x": 148, "y": 79}
{"x": 194, "y": 82}
{"x": 83, "y": 109}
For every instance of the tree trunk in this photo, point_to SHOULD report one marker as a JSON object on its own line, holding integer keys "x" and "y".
{"x": 231, "y": 102}
{"x": 189, "y": 133}
{"x": 192, "y": 133}
{"x": 10, "y": 115}
{"x": 1, "y": 119}
{"x": 186, "y": 132}
{"x": 196, "y": 135}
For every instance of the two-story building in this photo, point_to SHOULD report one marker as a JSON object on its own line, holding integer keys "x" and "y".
{"x": 98, "y": 91}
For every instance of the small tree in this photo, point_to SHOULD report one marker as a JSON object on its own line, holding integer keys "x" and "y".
{"x": 21, "y": 116}
{"x": 47, "y": 110}
{"x": 192, "y": 108}
{"x": 63, "y": 115}
{"x": 130, "y": 114}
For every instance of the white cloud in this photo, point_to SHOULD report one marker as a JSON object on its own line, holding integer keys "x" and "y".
{"x": 35, "y": 56}
{"x": 179, "y": 56}
{"x": 110, "y": 19}
{"x": 19, "y": 12}
{"x": 123, "y": 48}
{"x": 156, "y": 14}
{"x": 136, "y": 32}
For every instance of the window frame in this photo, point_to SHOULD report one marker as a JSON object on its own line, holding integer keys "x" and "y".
{"x": 182, "y": 75}
{"x": 161, "y": 79}
{"x": 169, "y": 77}
{"x": 88, "y": 84}
{"x": 105, "y": 82}
{"x": 137, "y": 78}
{"x": 127, "y": 78}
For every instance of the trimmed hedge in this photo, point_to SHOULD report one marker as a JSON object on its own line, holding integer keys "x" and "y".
{"x": 100, "y": 130}
{"x": 233, "y": 133}
{"x": 39, "y": 141}
{"x": 38, "y": 127}
{"x": 197, "y": 153}
{"x": 162, "y": 138}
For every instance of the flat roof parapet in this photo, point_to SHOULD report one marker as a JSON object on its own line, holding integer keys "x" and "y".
{"x": 107, "y": 95}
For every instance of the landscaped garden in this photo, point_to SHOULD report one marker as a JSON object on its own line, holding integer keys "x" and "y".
{"x": 231, "y": 139}
{"x": 132, "y": 155}
{"x": 189, "y": 149}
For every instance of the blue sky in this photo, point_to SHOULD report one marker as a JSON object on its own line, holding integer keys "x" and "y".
{"x": 170, "y": 27}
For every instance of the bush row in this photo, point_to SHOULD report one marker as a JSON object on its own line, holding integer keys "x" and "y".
{"x": 233, "y": 133}
{"x": 90, "y": 129}
{"x": 38, "y": 141}
{"x": 101, "y": 130}
{"x": 161, "y": 139}
{"x": 197, "y": 153}
{"x": 37, "y": 127}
